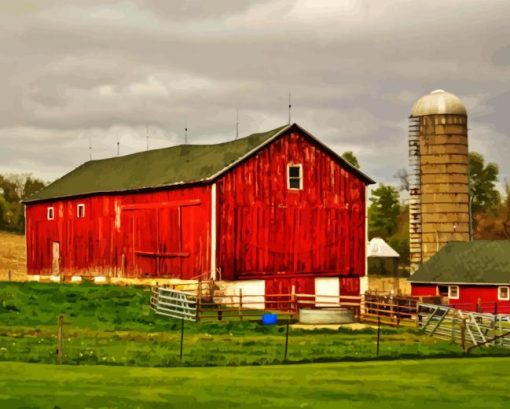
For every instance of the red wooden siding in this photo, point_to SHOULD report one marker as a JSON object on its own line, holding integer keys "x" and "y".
{"x": 349, "y": 285}
{"x": 164, "y": 233}
{"x": 266, "y": 229}
{"x": 482, "y": 298}
{"x": 283, "y": 286}
{"x": 424, "y": 290}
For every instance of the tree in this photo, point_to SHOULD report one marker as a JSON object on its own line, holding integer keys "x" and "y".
{"x": 482, "y": 184}
{"x": 349, "y": 157}
{"x": 403, "y": 177}
{"x": 31, "y": 186}
{"x": 14, "y": 188}
{"x": 383, "y": 211}
{"x": 506, "y": 209}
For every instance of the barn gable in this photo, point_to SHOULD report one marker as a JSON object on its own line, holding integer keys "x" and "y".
{"x": 177, "y": 165}
{"x": 269, "y": 227}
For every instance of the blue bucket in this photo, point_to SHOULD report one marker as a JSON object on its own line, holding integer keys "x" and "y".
{"x": 269, "y": 318}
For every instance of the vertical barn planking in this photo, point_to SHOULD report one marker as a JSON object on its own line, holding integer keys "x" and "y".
{"x": 313, "y": 231}
{"x": 103, "y": 242}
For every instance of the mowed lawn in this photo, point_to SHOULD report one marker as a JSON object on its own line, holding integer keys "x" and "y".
{"x": 440, "y": 383}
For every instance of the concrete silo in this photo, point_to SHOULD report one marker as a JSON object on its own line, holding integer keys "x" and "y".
{"x": 438, "y": 182}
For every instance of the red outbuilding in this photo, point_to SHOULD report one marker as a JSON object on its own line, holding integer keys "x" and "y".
{"x": 471, "y": 276}
{"x": 268, "y": 211}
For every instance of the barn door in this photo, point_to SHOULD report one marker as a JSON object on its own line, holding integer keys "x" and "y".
{"x": 327, "y": 291}
{"x": 56, "y": 258}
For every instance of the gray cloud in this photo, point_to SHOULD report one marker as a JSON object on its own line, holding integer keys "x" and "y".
{"x": 105, "y": 69}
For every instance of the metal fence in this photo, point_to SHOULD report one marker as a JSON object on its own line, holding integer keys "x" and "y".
{"x": 468, "y": 329}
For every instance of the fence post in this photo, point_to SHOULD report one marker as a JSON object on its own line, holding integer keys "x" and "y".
{"x": 496, "y": 308}
{"x": 60, "y": 339}
{"x": 378, "y": 333}
{"x": 9, "y": 275}
{"x": 463, "y": 334}
{"x": 199, "y": 301}
{"x": 241, "y": 304}
{"x": 286, "y": 341}
{"x": 479, "y": 305}
{"x": 453, "y": 329}
{"x": 182, "y": 338}
{"x": 293, "y": 300}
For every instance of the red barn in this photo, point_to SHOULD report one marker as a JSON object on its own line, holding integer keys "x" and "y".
{"x": 472, "y": 276}
{"x": 273, "y": 209}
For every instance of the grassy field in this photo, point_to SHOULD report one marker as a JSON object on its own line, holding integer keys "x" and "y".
{"x": 12, "y": 256}
{"x": 113, "y": 325}
{"x": 445, "y": 383}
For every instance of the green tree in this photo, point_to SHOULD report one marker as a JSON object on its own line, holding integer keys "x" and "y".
{"x": 31, "y": 186}
{"x": 349, "y": 157}
{"x": 482, "y": 184}
{"x": 383, "y": 211}
{"x": 13, "y": 189}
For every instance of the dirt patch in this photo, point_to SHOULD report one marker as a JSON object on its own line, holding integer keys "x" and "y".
{"x": 12, "y": 257}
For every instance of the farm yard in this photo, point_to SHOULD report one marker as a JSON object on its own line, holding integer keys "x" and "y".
{"x": 118, "y": 353}
{"x": 114, "y": 325}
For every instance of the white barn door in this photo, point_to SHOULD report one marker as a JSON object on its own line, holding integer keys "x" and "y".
{"x": 327, "y": 291}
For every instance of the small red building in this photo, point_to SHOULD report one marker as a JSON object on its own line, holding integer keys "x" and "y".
{"x": 274, "y": 209}
{"x": 472, "y": 276}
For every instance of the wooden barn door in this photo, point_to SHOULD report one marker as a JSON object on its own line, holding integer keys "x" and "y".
{"x": 55, "y": 253}
{"x": 160, "y": 240}
{"x": 146, "y": 242}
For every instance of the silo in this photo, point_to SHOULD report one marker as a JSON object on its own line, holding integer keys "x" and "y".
{"x": 438, "y": 177}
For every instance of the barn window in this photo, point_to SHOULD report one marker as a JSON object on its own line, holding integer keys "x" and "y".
{"x": 453, "y": 292}
{"x": 50, "y": 213}
{"x": 80, "y": 211}
{"x": 504, "y": 293}
{"x": 295, "y": 176}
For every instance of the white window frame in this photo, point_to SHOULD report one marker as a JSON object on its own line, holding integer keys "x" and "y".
{"x": 78, "y": 207}
{"x": 295, "y": 165}
{"x": 507, "y": 293}
{"x": 50, "y": 213}
{"x": 450, "y": 287}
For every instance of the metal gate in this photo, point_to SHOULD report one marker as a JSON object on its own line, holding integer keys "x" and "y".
{"x": 469, "y": 329}
{"x": 174, "y": 303}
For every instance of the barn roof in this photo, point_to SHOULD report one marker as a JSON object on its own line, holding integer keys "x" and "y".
{"x": 477, "y": 262}
{"x": 177, "y": 165}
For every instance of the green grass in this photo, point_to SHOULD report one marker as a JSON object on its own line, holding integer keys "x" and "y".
{"x": 448, "y": 383}
{"x": 111, "y": 325}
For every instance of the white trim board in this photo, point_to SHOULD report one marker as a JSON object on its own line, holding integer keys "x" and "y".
{"x": 213, "y": 231}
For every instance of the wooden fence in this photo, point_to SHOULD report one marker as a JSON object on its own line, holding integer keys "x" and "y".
{"x": 370, "y": 308}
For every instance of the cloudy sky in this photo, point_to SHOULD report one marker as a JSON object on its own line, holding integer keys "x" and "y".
{"x": 97, "y": 70}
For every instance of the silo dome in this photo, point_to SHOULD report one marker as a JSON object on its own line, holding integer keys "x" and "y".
{"x": 438, "y": 102}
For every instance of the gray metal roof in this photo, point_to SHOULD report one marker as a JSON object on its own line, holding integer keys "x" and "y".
{"x": 477, "y": 262}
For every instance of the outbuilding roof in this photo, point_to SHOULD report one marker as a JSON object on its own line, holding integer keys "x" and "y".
{"x": 177, "y": 165}
{"x": 377, "y": 247}
{"x": 477, "y": 262}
